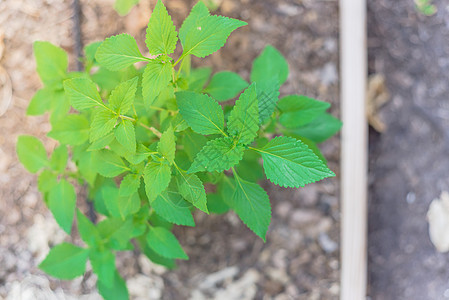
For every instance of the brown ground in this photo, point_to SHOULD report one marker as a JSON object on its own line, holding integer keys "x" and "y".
{"x": 300, "y": 258}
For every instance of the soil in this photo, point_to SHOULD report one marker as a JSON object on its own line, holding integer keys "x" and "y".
{"x": 409, "y": 161}
{"x": 227, "y": 261}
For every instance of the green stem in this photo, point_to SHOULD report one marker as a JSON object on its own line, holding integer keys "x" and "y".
{"x": 152, "y": 129}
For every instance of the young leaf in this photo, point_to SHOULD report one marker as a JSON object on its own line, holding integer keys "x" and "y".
{"x": 83, "y": 93}
{"x": 157, "y": 177}
{"x": 124, "y": 6}
{"x": 59, "y": 158}
{"x": 65, "y": 261}
{"x": 110, "y": 164}
{"x": 174, "y": 209}
{"x": 167, "y": 146}
{"x": 289, "y": 163}
{"x": 252, "y": 205}
{"x": 165, "y": 243}
{"x": 208, "y": 35}
{"x": 87, "y": 163}
{"x": 300, "y": 110}
{"x": 103, "y": 264}
{"x": 191, "y": 188}
{"x": 122, "y": 97}
{"x": 87, "y": 230}
{"x": 161, "y": 35}
{"x": 190, "y": 23}
{"x": 117, "y": 291}
{"x": 201, "y": 112}
{"x": 125, "y": 135}
{"x": 102, "y": 124}
{"x": 120, "y": 206}
{"x": 169, "y": 263}
{"x": 118, "y": 52}
{"x": 40, "y": 103}
{"x": 129, "y": 185}
{"x": 225, "y": 85}
{"x": 70, "y": 130}
{"x": 270, "y": 62}
{"x": 218, "y": 155}
{"x": 31, "y": 153}
{"x": 156, "y": 77}
{"x": 51, "y": 63}
{"x": 62, "y": 203}
{"x": 46, "y": 181}
{"x": 319, "y": 130}
{"x": 243, "y": 122}
{"x": 116, "y": 232}
{"x": 267, "y": 97}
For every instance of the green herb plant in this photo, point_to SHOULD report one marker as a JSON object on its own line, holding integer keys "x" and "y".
{"x": 143, "y": 142}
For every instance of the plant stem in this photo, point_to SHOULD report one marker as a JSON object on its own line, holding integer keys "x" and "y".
{"x": 152, "y": 129}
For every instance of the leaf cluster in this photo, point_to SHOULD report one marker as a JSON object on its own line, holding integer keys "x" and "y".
{"x": 146, "y": 140}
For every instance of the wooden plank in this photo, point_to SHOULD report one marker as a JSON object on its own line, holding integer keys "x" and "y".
{"x": 353, "y": 74}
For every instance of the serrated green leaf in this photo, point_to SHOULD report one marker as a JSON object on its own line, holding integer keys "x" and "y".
{"x": 199, "y": 11}
{"x": 40, "y": 103}
{"x": 174, "y": 209}
{"x": 83, "y": 93}
{"x": 192, "y": 189}
{"x": 161, "y": 35}
{"x": 70, "y": 130}
{"x": 117, "y": 291}
{"x": 225, "y": 85}
{"x": 156, "y": 77}
{"x": 110, "y": 164}
{"x": 205, "y": 35}
{"x": 129, "y": 185}
{"x": 141, "y": 154}
{"x": 31, "y": 153}
{"x": 87, "y": 230}
{"x": 157, "y": 178}
{"x": 51, "y": 63}
{"x": 290, "y": 163}
{"x": 118, "y": 52}
{"x": 202, "y": 113}
{"x": 243, "y": 122}
{"x": 124, "y": 6}
{"x": 167, "y": 146}
{"x": 120, "y": 206}
{"x": 126, "y": 135}
{"x": 165, "y": 243}
{"x": 103, "y": 264}
{"x": 122, "y": 97}
{"x": 298, "y": 110}
{"x": 102, "y": 124}
{"x": 218, "y": 155}
{"x": 65, "y": 261}
{"x": 252, "y": 205}
{"x": 59, "y": 158}
{"x": 267, "y": 97}
{"x": 250, "y": 168}
{"x": 62, "y": 203}
{"x": 270, "y": 62}
{"x": 319, "y": 130}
